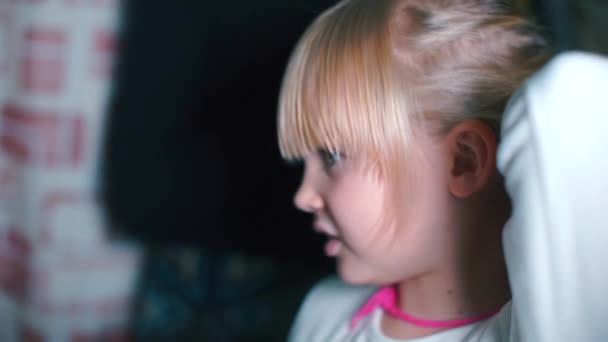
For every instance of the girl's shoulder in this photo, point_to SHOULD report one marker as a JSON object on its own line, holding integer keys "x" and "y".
{"x": 327, "y": 310}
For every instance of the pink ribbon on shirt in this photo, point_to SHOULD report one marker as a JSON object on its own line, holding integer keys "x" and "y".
{"x": 386, "y": 298}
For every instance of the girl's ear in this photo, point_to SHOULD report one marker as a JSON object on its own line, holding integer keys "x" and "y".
{"x": 471, "y": 148}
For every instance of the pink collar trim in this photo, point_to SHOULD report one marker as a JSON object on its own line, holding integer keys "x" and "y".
{"x": 386, "y": 298}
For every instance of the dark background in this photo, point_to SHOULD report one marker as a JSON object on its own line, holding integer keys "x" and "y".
{"x": 192, "y": 168}
{"x": 192, "y": 154}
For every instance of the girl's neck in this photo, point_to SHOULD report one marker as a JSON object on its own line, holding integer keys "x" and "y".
{"x": 472, "y": 283}
{"x": 444, "y": 296}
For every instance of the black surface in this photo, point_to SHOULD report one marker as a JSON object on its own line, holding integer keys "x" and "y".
{"x": 191, "y": 153}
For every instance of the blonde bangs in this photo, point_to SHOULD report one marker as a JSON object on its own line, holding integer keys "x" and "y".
{"x": 341, "y": 91}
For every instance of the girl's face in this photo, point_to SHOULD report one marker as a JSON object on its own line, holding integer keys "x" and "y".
{"x": 349, "y": 206}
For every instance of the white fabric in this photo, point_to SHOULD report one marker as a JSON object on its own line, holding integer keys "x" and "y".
{"x": 554, "y": 159}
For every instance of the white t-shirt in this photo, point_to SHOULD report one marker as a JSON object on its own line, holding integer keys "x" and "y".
{"x": 554, "y": 156}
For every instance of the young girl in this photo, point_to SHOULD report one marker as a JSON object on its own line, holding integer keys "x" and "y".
{"x": 394, "y": 106}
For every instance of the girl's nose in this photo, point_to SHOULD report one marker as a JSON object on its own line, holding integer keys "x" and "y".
{"x": 307, "y": 198}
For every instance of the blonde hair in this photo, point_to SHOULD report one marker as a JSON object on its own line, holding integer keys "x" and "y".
{"x": 366, "y": 73}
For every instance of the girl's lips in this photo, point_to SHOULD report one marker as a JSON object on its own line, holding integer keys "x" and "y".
{"x": 333, "y": 247}
{"x": 323, "y": 230}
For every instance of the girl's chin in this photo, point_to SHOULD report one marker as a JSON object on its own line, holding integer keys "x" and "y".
{"x": 352, "y": 272}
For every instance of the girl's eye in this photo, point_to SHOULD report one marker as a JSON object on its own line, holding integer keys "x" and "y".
{"x": 330, "y": 158}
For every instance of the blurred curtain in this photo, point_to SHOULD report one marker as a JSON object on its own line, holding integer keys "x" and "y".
{"x": 60, "y": 277}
